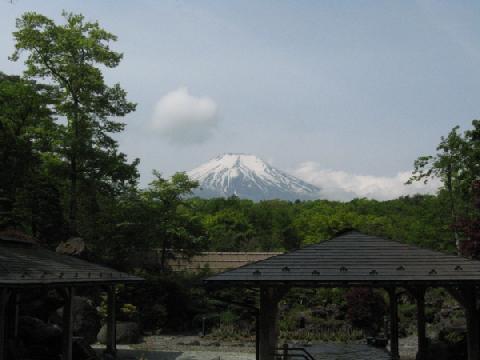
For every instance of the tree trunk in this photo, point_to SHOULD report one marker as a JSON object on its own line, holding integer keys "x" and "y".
{"x": 73, "y": 205}
{"x": 163, "y": 258}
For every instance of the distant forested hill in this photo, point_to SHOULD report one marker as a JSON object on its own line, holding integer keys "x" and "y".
{"x": 234, "y": 224}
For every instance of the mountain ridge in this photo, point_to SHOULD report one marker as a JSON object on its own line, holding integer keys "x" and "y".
{"x": 248, "y": 176}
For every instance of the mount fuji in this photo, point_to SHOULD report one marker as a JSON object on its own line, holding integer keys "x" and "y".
{"x": 249, "y": 177}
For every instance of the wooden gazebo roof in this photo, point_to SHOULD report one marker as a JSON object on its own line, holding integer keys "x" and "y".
{"x": 25, "y": 263}
{"x": 353, "y": 259}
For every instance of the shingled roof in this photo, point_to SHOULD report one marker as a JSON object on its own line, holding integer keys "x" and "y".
{"x": 354, "y": 258}
{"x": 25, "y": 263}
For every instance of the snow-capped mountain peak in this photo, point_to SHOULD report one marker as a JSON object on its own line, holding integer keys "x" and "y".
{"x": 248, "y": 176}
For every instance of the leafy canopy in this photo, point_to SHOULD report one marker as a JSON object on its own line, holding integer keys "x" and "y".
{"x": 70, "y": 57}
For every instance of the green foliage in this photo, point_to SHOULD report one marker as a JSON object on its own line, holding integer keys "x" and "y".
{"x": 229, "y": 318}
{"x": 175, "y": 224}
{"x": 29, "y": 158}
{"x": 70, "y": 56}
{"x": 166, "y": 301}
{"x": 242, "y": 225}
{"x": 124, "y": 311}
{"x": 456, "y": 165}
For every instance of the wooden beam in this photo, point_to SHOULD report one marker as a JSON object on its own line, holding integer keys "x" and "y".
{"x": 68, "y": 294}
{"x": 4, "y": 296}
{"x": 268, "y": 332}
{"x": 394, "y": 352}
{"x": 473, "y": 318}
{"x": 111, "y": 322}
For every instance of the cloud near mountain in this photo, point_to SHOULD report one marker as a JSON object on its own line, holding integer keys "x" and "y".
{"x": 185, "y": 119}
{"x": 341, "y": 185}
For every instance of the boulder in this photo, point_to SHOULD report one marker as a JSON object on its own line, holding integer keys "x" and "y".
{"x": 86, "y": 321}
{"x": 73, "y": 246}
{"x": 127, "y": 333}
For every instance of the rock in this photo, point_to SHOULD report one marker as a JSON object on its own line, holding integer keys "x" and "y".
{"x": 127, "y": 333}
{"x": 86, "y": 322}
{"x": 73, "y": 246}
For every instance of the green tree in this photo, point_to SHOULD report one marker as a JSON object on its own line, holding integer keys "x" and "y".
{"x": 456, "y": 165}
{"x": 28, "y": 157}
{"x": 70, "y": 56}
{"x": 158, "y": 217}
{"x": 175, "y": 226}
{"x": 229, "y": 230}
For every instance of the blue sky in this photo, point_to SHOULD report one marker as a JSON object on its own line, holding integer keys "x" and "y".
{"x": 342, "y": 93}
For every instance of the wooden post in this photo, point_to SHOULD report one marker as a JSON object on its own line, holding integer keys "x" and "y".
{"x": 67, "y": 323}
{"x": 269, "y": 298}
{"x": 419, "y": 294}
{"x": 257, "y": 335}
{"x": 111, "y": 323}
{"x": 393, "y": 324}
{"x": 12, "y": 315}
{"x": 4, "y": 295}
{"x": 285, "y": 352}
{"x": 473, "y": 318}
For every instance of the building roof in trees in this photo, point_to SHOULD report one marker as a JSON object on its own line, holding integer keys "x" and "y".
{"x": 351, "y": 259}
{"x": 24, "y": 263}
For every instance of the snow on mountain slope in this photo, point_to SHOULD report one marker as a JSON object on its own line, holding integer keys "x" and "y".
{"x": 249, "y": 177}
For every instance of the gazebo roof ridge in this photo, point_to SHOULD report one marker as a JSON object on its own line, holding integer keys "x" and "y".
{"x": 277, "y": 255}
{"x": 414, "y": 246}
{"x": 355, "y": 258}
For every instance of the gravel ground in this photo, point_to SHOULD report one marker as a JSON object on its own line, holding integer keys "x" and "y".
{"x": 408, "y": 347}
{"x": 128, "y": 353}
{"x": 175, "y": 347}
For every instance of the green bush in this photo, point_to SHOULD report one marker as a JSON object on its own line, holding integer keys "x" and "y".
{"x": 229, "y": 317}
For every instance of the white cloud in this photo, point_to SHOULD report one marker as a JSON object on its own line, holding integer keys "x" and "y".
{"x": 184, "y": 118}
{"x": 341, "y": 185}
